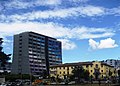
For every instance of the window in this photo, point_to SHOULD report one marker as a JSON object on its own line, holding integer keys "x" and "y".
{"x": 102, "y": 76}
{"x": 91, "y": 70}
{"x": 68, "y": 72}
{"x": 60, "y": 72}
{"x": 86, "y": 66}
{"x": 20, "y": 50}
{"x": 20, "y": 39}
{"x": 96, "y": 65}
{"x": 101, "y": 65}
{"x": 64, "y": 72}
{"x": 67, "y": 68}
{"x": 20, "y": 36}
{"x": 72, "y": 67}
{"x": 101, "y": 70}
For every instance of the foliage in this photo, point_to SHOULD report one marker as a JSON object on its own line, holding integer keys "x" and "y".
{"x": 44, "y": 74}
{"x": 80, "y": 73}
{"x": 110, "y": 73}
{"x": 96, "y": 73}
{"x": 4, "y": 58}
{"x": 119, "y": 72}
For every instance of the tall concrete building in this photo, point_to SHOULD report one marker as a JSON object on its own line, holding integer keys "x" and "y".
{"x": 33, "y": 53}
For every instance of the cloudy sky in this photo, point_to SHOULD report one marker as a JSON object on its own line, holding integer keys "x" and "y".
{"x": 88, "y": 29}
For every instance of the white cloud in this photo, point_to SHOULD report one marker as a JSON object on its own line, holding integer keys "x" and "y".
{"x": 55, "y": 30}
{"x": 56, "y": 13}
{"x": 78, "y": 1}
{"x": 93, "y": 44}
{"x": 67, "y": 44}
{"x": 86, "y": 33}
{"x": 23, "y": 4}
{"x": 113, "y": 11}
{"x": 106, "y": 43}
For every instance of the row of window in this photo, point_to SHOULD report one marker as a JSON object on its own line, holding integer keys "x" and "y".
{"x": 92, "y": 65}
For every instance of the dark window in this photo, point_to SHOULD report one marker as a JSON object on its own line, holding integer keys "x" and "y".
{"x": 68, "y": 72}
{"x": 96, "y": 65}
{"x": 101, "y": 70}
{"x": 102, "y": 76}
{"x": 20, "y": 36}
{"x": 20, "y": 50}
{"x": 64, "y": 72}
{"x": 20, "y": 43}
{"x": 86, "y": 65}
{"x": 20, "y": 39}
{"x": 67, "y": 68}
{"x": 91, "y": 70}
{"x": 60, "y": 72}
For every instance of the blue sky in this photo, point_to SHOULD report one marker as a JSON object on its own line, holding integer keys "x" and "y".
{"x": 88, "y": 29}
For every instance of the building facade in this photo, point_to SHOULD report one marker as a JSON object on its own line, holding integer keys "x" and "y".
{"x": 33, "y": 53}
{"x": 93, "y": 67}
{"x": 113, "y": 62}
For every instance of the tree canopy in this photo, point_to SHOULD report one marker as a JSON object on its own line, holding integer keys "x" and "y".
{"x": 80, "y": 73}
{"x": 4, "y": 58}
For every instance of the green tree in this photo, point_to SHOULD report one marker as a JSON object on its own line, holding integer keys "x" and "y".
{"x": 44, "y": 74}
{"x": 96, "y": 73}
{"x": 4, "y": 58}
{"x": 80, "y": 73}
{"x": 110, "y": 74}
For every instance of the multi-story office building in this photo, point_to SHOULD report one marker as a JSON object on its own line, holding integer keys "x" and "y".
{"x": 94, "y": 68}
{"x": 113, "y": 62}
{"x": 33, "y": 53}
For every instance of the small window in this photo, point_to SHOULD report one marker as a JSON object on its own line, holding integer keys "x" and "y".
{"x": 20, "y": 50}
{"x": 64, "y": 72}
{"x": 102, "y": 76}
{"x": 96, "y": 65}
{"x": 101, "y": 70}
{"x": 20, "y": 36}
{"x": 91, "y": 70}
{"x": 67, "y": 68}
{"x": 86, "y": 66}
{"x": 68, "y": 72}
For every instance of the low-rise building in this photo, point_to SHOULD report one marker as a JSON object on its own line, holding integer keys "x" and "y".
{"x": 104, "y": 70}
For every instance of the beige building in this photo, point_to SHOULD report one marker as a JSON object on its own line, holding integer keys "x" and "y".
{"x": 104, "y": 70}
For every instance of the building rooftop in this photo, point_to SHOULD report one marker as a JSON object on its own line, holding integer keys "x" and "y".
{"x": 79, "y": 64}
